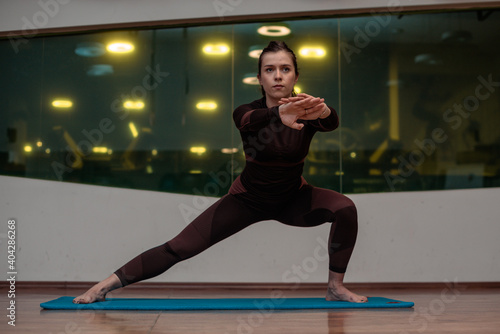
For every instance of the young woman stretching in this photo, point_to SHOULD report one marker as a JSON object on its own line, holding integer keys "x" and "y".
{"x": 276, "y": 132}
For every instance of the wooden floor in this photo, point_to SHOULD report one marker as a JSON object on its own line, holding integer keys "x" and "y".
{"x": 446, "y": 309}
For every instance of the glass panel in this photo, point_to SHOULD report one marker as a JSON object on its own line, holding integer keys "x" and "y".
{"x": 417, "y": 95}
{"x": 20, "y": 111}
{"x": 193, "y": 110}
{"x": 419, "y": 101}
{"x": 123, "y": 119}
{"x": 102, "y": 137}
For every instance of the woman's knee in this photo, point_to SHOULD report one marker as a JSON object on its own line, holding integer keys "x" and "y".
{"x": 337, "y": 201}
{"x": 348, "y": 203}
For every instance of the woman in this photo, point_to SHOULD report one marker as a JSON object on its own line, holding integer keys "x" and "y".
{"x": 276, "y": 132}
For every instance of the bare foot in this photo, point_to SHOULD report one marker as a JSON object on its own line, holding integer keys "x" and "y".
{"x": 337, "y": 290}
{"x": 340, "y": 292}
{"x": 91, "y": 296}
{"x": 98, "y": 292}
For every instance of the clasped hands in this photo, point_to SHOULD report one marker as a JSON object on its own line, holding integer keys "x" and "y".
{"x": 302, "y": 106}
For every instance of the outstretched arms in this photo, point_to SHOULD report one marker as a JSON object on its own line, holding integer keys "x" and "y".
{"x": 289, "y": 111}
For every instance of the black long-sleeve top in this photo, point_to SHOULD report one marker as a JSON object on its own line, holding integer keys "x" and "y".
{"x": 274, "y": 153}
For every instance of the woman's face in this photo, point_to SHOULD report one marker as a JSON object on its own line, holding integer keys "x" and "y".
{"x": 277, "y": 75}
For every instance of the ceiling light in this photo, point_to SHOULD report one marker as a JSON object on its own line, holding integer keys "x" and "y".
{"x": 312, "y": 52}
{"x": 274, "y": 30}
{"x": 90, "y": 49}
{"x": 206, "y": 105}
{"x": 229, "y": 150}
{"x": 198, "y": 150}
{"x": 457, "y": 36}
{"x": 255, "y": 51}
{"x": 133, "y": 105}
{"x": 120, "y": 47}
{"x": 100, "y": 149}
{"x": 99, "y": 70}
{"x": 215, "y": 49}
{"x": 251, "y": 79}
{"x": 133, "y": 129}
{"x": 427, "y": 59}
{"x": 62, "y": 104}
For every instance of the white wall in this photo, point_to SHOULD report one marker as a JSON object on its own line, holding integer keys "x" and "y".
{"x": 72, "y": 232}
{"x": 42, "y": 14}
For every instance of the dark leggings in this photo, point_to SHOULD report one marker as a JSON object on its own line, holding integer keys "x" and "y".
{"x": 310, "y": 207}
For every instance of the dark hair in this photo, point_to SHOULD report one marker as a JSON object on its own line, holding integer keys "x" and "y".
{"x": 276, "y": 46}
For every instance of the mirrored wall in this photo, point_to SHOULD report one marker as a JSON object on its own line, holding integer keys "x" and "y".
{"x": 417, "y": 94}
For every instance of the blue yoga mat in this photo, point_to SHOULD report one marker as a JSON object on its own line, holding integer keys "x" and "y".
{"x": 264, "y": 304}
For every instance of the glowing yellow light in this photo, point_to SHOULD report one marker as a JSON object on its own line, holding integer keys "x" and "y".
{"x": 133, "y": 105}
{"x": 251, "y": 80}
{"x": 62, "y": 104}
{"x": 195, "y": 171}
{"x": 275, "y": 30}
{"x": 28, "y": 148}
{"x": 255, "y": 53}
{"x": 154, "y": 152}
{"x": 110, "y": 151}
{"x": 375, "y": 126}
{"x": 47, "y": 150}
{"x": 100, "y": 149}
{"x": 149, "y": 169}
{"x": 198, "y": 150}
{"x": 379, "y": 151}
{"x": 353, "y": 155}
{"x": 206, "y": 105}
{"x": 216, "y": 49}
{"x": 39, "y": 143}
{"x": 229, "y": 150}
{"x": 297, "y": 89}
{"x": 133, "y": 129}
{"x": 120, "y": 47}
{"x": 312, "y": 52}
